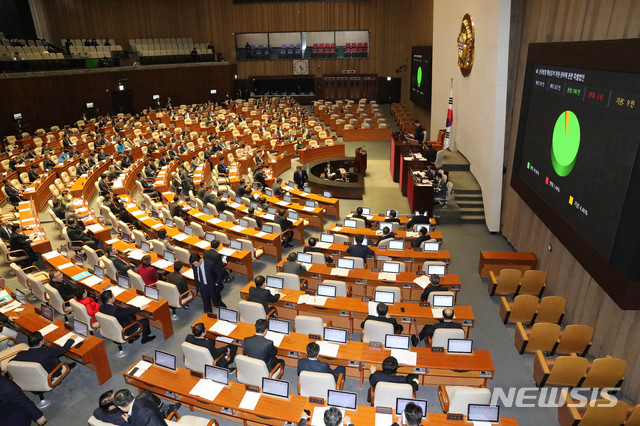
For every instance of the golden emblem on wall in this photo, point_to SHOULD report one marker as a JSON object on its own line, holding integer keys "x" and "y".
{"x": 466, "y": 45}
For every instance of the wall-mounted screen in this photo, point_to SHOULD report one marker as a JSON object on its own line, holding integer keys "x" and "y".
{"x": 420, "y": 91}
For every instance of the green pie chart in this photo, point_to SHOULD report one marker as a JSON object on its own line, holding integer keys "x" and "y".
{"x": 566, "y": 142}
{"x": 419, "y": 76}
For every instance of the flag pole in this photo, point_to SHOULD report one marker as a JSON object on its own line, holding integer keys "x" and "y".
{"x": 447, "y": 138}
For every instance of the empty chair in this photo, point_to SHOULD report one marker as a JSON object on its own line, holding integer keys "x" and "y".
{"x": 340, "y": 238}
{"x": 23, "y": 277}
{"x": 179, "y": 223}
{"x": 550, "y": 309}
{"x": 158, "y": 247}
{"x": 196, "y": 357}
{"x": 247, "y": 245}
{"x": 342, "y": 290}
{"x": 57, "y": 302}
{"x": 92, "y": 256}
{"x": 304, "y": 324}
{"x": 575, "y": 338}
{"x": 456, "y": 399}
{"x": 250, "y": 312}
{"x": 599, "y": 412}
{"x": 32, "y": 377}
{"x": 385, "y": 394}
{"x": 291, "y": 281}
{"x": 543, "y": 336}
{"x": 111, "y": 329}
{"x": 605, "y": 372}
{"x": 197, "y": 229}
{"x": 560, "y": 371}
{"x": 375, "y": 331}
{"x": 250, "y": 371}
{"x": 441, "y": 336}
{"x": 522, "y": 309}
{"x": 170, "y": 293}
{"x": 221, "y": 237}
{"x": 533, "y": 282}
{"x": 505, "y": 284}
{"x": 317, "y": 258}
{"x": 109, "y": 268}
{"x": 318, "y": 384}
{"x": 138, "y": 237}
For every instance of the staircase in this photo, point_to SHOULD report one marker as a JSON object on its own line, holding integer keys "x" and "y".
{"x": 470, "y": 203}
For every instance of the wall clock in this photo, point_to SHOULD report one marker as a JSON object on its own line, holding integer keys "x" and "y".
{"x": 301, "y": 67}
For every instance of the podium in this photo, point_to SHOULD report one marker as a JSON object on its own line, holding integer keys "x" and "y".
{"x": 360, "y": 162}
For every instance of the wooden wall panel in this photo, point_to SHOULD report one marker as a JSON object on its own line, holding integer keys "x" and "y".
{"x": 617, "y": 332}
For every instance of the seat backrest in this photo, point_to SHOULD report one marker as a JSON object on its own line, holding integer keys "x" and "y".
{"x": 110, "y": 327}
{"x": 309, "y": 325}
{"x": 575, "y": 338}
{"x": 316, "y": 384}
{"x": 426, "y": 263}
{"x": 397, "y": 292}
{"x": 250, "y": 370}
{"x": 30, "y": 376}
{"x": 221, "y": 237}
{"x": 508, "y": 281}
{"x": 250, "y": 312}
{"x": 340, "y": 238}
{"x": 567, "y": 371}
{"x": 375, "y": 331}
{"x": 168, "y": 292}
{"x": 551, "y": 309}
{"x": 56, "y": 301}
{"x": 461, "y": 396}
{"x": 605, "y": 372}
{"x": 441, "y": 336}
{"x": 20, "y": 275}
{"x": 137, "y": 283}
{"x": 158, "y": 247}
{"x": 196, "y": 357}
{"x": 110, "y": 268}
{"x": 80, "y": 312}
{"x": 533, "y": 281}
{"x": 341, "y": 287}
{"x": 37, "y": 288}
{"x": 291, "y": 281}
{"x": 543, "y": 336}
{"x": 523, "y": 308}
{"x": 92, "y": 256}
{"x": 599, "y": 414}
{"x": 386, "y": 393}
{"x": 181, "y": 254}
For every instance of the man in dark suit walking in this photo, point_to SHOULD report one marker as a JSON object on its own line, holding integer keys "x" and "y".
{"x": 125, "y": 316}
{"x": 207, "y": 283}
{"x": 43, "y": 355}
{"x": 219, "y": 265}
{"x": 300, "y": 177}
{"x": 260, "y": 294}
{"x": 311, "y": 363}
{"x": 259, "y": 347}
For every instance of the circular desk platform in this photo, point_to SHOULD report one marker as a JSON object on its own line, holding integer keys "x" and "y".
{"x": 354, "y": 189}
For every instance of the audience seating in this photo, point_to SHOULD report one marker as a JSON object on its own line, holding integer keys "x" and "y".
{"x": 577, "y": 371}
{"x": 456, "y": 399}
{"x": 170, "y": 293}
{"x": 505, "y": 284}
{"x": 542, "y": 336}
{"x": 441, "y": 337}
{"x": 598, "y": 412}
{"x": 196, "y": 357}
{"x": 574, "y": 338}
{"x": 522, "y": 309}
{"x": 57, "y": 303}
{"x": 304, "y": 324}
{"x": 550, "y": 309}
{"x": 80, "y": 314}
{"x": 375, "y": 331}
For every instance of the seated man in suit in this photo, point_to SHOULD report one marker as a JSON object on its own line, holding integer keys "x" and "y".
{"x": 243, "y": 189}
{"x": 33, "y": 173}
{"x": 121, "y": 265}
{"x": 290, "y": 265}
{"x": 435, "y": 286}
{"x": 360, "y": 250}
{"x": 19, "y": 241}
{"x": 359, "y": 215}
{"x": 199, "y": 338}
{"x": 386, "y": 234}
{"x": 440, "y": 191}
{"x": 382, "y": 309}
{"x": 286, "y": 225}
{"x": 393, "y": 217}
{"x": 430, "y": 154}
{"x": 43, "y": 355}
{"x": 423, "y": 237}
{"x": 259, "y": 347}
{"x": 5, "y": 230}
{"x": 311, "y": 363}
{"x": 56, "y": 280}
{"x": 332, "y": 417}
{"x": 179, "y": 280}
{"x": 311, "y": 248}
{"x": 125, "y": 316}
{"x": 141, "y": 410}
{"x": 421, "y": 217}
{"x": 389, "y": 374}
{"x": 260, "y": 294}
{"x": 222, "y": 168}
{"x": 277, "y": 188}
{"x": 76, "y": 233}
{"x": 251, "y": 214}
{"x": 428, "y": 330}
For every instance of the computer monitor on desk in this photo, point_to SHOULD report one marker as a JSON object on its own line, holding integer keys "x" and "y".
{"x": 47, "y": 312}
{"x": 391, "y": 267}
{"x": 387, "y": 297}
{"x": 350, "y": 223}
{"x": 277, "y": 388}
{"x": 98, "y": 271}
{"x": 433, "y": 247}
{"x": 235, "y": 244}
{"x": 345, "y": 263}
{"x": 401, "y": 403}
{"x": 483, "y": 413}
{"x": 145, "y": 247}
{"x": 80, "y": 328}
{"x": 347, "y": 400}
{"x": 442, "y": 301}
{"x": 396, "y": 245}
{"x": 275, "y": 282}
{"x": 397, "y": 341}
{"x": 436, "y": 270}
{"x": 460, "y": 346}
{"x": 228, "y": 315}
{"x": 169, "y": 256}
{"x": 326, "y": 290}
{"x": 278, "y": 326}
{"x": 327, "y": 238}
{"x": 267, "y": 228}
{"x": 123, "y": 282}
{"x": 216, "y": 374}
{"x": 165, "y": 360}
{"x": 304, "y": 258}
{"x": 335, "y": 335}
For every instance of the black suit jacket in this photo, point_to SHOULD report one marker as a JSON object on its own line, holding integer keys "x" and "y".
{"x": 316, "y": 366}
{"x": 5, "y": 234}
{"x": 121, "y": 266}
{"x": 211, "y": 277}
{"x": 366, "y": 221}
{"x": 146, "y": 413}
{"x": 262, "y": 296}
{"x": 384, "y": 237}
{"x": 16, "y": 408}
{"x": 361, "y": 251}
{"x": 209, "y": 344}
{"x": 300, "y": 178}
{"x": 259, "y": 347}
{"x": 419, "y": 135}
{"x": 179, "y": 280}
{"x": 66, "y": 290}
{"x": 125, "y": 316}
{"x": 431, "y": 289}
{"x": 284, "y": 223}
{"x": 417, "y": 219}
{"x": 19, "y": 242}
{"x": 381, "y": 376}
{"x": 45, "y": 356}
{"x": 428, "y": 330}
{"x": 293, "y": 268}
{"x": 33, "y": 175}
{"x": 416, "y": 243}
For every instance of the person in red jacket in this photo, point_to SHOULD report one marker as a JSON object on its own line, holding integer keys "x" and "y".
{"x": 88, "y": 302}
{"x": 146, "y": 271}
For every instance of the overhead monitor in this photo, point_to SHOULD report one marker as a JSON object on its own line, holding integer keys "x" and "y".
{"x": 155, "y": 97}
{"x": 89, "y": 105}
{"x": 420, "y": 84}
{"x": 17, "y": 116}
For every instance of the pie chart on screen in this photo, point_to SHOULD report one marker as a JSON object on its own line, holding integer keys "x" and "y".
{"x": 565, "y": 143}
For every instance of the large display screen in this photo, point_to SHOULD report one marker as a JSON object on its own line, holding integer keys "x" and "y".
{"x": 421, "y": 60}
{"x": 578, "y": 150}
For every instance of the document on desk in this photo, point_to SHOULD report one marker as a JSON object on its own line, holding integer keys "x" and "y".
{"x": 404, "y": 356}
{"x": 95, "y": 227}
{"x": 198, "y": 214}
{"x": 328, "y": 349}
{"x": 437, "y": 312}
{"x": 138, "y": 213}
{"x": 65, "y": 266}
{"x": 92, "y": 280}
{"x": 188, "y": 273}
{"x": 383, "y": 419}
{"x": 305, "y": 299}
{"x": 282, "y": 203}
{"x": 143, "y": 218}
{"x": 268, "y": 216}
{"x": 207, "y": 389}
{"x": 82, "y": 275}
{"x": 136, "y": 254}
{"x": 111, "y": 241}
{"x": 227, "y": 251}
{"x": 308, "y": 209}
{"x": 249, "y": 401}
{"x": 61, "y": 341}
{"x": 387, "y": 276}
{"x": 340, "y": 272}
{"x": 412, "y": 234}
{"x": 214, "y": 220}
{"x": 10, "y": 306}
{"x": 317, "y": 418}
{"x": 373, "y": 308}
{"x": 48, "y": 329}
{"x": 162, "y": 264}
{"x": 323, "y": 245}
{"x": 139, "y": 301}
{"x": 223, "y": 327}
{"x": 116, "y": 290}
{"x": 180, "y": 237}
{"x": 51, "y": 255}
{"x": 337, "y": 228}
{"x": 238, "y": 228}
{"x": 141, "y": 367}
{"x": 157, "y": 225}
{"x": 423, "y": 281}
{"x": 203, "y": 244}
{"x": 261, "y": 234}
{"x": 234, "y": 205}
{"x": 276, "y": 338}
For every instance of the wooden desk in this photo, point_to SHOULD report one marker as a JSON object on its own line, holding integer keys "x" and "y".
{"x": 373, "y": 134}
{"x": 175, "y": 386}
{"x": 398, "y": 144}
{"x": 320, "y": 153}
{"x": 330, "y": 205}
{"x": 92, "y": 353}
{"x": 406, "y": 165}
{"x": 432, "y": 368}
{"x": 495, "y": 261}
{"x": 373, "y": 234}
{"x": 31, "y": 224}
{"x": 157, "y": 312}
{"x": 420, "y": 195}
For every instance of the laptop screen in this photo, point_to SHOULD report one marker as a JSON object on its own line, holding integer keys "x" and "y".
{"x": 64, "y": 251}
{"x": 267, "y": 228}
{"x": 47, "y": 312}
{"x": 396, "y": 245}
{"x": 483, "y": 413}
{"x": 188, "y": 230}
{"x": 166, "y": 360}
{"x": 275, "y": 282}
{"x": 228, "y": 315}
{"x": 442, "y": 301}
{"x": 326, "y": 290}
{"x": 126, "y": 237}
{"x": 304, "y": 257}
{"x": 144, "y": 246}
{"x": 346, "y": 400}
{"x": 387, "y": 297}
{"x": 154, "y": 214}
{"x": 206, "y": 210}
{"x": 216, "y": 374}
{"x": 291, "y": 184}
{"x": 244, "y": 223}
{"x": 391, "y": 267}
{"x": 396, "y": 341}
{"x": 80, "y": 328}
{"x": 293, "y": 215}
{"x": 278, "y": 326}
{"x": 169, "y": 223}
{"x": 337, "y": 335}
{"x": 238, "y": 199}
{"x": 431, "y": 246}
{"x": 79, "y": 261}
{"x": 327, "y": 238}
{"x": 272, "y": 210}
{"x": 287, "y": 198}
{"x": 169, "y": 256}
{"x": 151, "y": 292}
{"x": 402, "y": 402}
{"x": 345, "y": 263}
{"x": 350, "y": 223}
{"x": 327, "y": 194}
{"x": 208, "y": 236}
{"x": 235, "y": 244}
{"x": 366, "y": 211}
{"x": 310, "y": 203}
{"x": 460, "y": 346}
{"x": 98, "y": 271}
{"x": 123, "y": 281}
{"x": 273, "y": 387}
{"x": 307, "y": 189}
{"x": 269, "y": 192}
{"x": 436, "y": 270}
{"x": 21, "y": 297}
